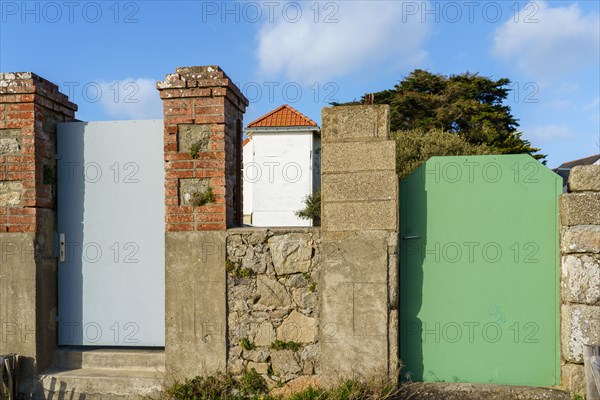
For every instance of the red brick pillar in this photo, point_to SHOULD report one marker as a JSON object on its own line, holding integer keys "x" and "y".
{"x": 203, "y": 112}
{"x": 30, "y": 108}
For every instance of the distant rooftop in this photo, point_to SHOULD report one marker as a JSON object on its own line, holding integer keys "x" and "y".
{"x": 582, "y": 161}
{"x": 282, "y": 116}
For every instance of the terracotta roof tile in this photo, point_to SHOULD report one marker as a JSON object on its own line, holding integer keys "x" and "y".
{"x": 282, "y": 116}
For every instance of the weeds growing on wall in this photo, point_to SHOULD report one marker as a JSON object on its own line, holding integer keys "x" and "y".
{"x": 279, "y": 345}
{"x": 252, "y": 386}
{"x": 236, "y": 270}
{"x": 202, "y": 198}
{"x": 246, "y": 344}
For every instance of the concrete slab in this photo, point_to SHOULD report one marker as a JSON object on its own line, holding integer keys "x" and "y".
{"x": 472, "y": 391}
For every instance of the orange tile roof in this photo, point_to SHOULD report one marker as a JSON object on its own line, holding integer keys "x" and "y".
{"x": 282, "y": 116}
{"x": 246, "y": 141}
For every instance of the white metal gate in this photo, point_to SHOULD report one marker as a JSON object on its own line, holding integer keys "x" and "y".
{"x": 111, "y": 233}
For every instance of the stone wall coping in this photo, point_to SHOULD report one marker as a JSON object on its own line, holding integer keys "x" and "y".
{"x": 276, "y": 230}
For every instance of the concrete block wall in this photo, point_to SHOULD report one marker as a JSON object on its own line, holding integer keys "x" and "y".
{"x": 359, "y": 275}
{"x": 580, "y": 277}
{"x": 30, "y": 108}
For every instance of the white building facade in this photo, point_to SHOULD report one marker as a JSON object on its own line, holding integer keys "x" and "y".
{"x": 281, "y": 167}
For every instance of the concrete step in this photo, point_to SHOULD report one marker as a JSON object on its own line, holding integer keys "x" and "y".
{"x": 130, "y": 359}
{"x": 98, "y": 384}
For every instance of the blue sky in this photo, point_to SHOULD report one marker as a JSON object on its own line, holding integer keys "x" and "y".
{"x": 107, "y": 55}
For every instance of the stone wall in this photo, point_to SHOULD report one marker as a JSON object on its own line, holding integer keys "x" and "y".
{"x": 580, "y": 278}
{"x": 273, "y": 298}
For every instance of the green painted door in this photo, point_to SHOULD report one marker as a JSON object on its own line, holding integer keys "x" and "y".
{"x": 479, "y": 271}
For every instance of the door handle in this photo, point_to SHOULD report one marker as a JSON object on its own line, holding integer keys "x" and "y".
{"x": 61, "y": 247}
{"x": 410, "y": 237}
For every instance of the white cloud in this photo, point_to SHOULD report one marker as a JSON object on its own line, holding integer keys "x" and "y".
{"x": 131, "y": 99}
{"x": 548, "y": 132}
{"x": 367, "y": 33}
{"x": 563, "y": 40}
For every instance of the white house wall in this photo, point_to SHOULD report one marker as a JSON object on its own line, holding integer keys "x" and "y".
{"x": 283, "y": 179}
{"x": 248, "y": 176}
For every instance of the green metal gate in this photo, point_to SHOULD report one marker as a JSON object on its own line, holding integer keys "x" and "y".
{"x": 479, "y": 271}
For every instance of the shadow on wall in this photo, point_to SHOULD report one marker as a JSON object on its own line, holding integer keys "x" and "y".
{"x": 413, "y": 239}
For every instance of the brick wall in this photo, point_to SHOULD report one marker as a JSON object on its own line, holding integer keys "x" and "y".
{"x": 30, "y": 107}
{"x": 580, "y": 277}
{"x": 203, "y": 112}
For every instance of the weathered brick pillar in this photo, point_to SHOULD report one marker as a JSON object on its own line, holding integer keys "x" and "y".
{"x": 359, "y": 228}
{"x": 203, "y": 191}
{"x": 203, "y": 131}
{"x": 580, "y": 277}
{"x": 30, "y": 108}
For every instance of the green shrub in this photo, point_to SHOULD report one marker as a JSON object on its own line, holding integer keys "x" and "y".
{"x": 416, "y": 146}
{"x": 252, "y": 383}
{"x": 312, "y": 208}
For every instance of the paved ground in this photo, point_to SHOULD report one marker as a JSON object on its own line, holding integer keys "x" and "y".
{"x": 470, "y": 391}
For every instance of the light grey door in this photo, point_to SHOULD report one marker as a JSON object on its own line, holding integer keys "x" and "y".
{"x": 111, "y": 233}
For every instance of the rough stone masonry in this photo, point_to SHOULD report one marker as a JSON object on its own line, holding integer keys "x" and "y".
{"x": 580, "y": 277}
{"x": 273, "y": 302}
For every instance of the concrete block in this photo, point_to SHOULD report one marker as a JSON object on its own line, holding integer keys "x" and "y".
{"x": 195, "y": 303}
{"x": 580, "y": 239}
{"x": 581, "y": 279}
{"x": 584, "y": 178}
{"x": 573, "y": 378}
{"x": 354, "y": 310}
{"x": 370, "y": 309}
{"x": 361, "y": 257}
{"x": 10, "y": 141}
{"x": 580, "y": 324}
{"x": 98, "y": 384}
{"x": 362, "y": 357}
{"x": 349, "y": 216}
{"x": 195, "y": 256}
{"x": 337, "y": 308}
{"x": 11, "y": 193}
{"x": 357, "y": 156}
{"x": 18, "y": 299}
{"x": 357, "y": 186}
{"x": 394, "y": 349}
{"x": 580, "y": 209}
{"x": 189, "y": 134}
{"x": 356, "y": 122}
{"x": 190, "y": 189}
